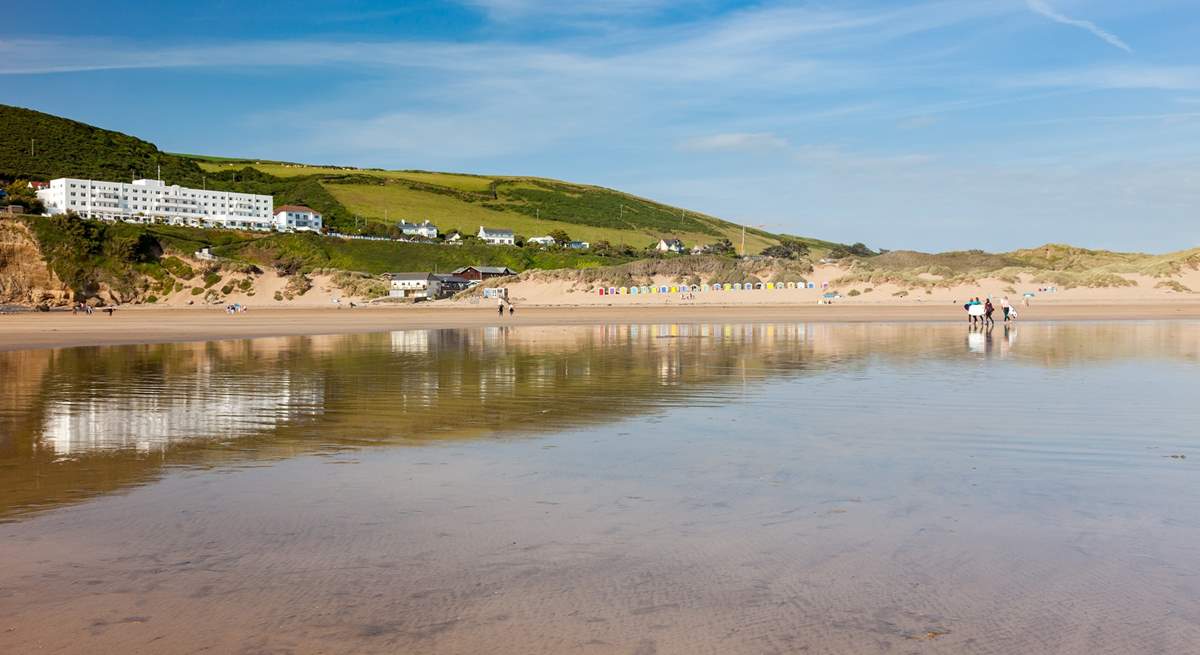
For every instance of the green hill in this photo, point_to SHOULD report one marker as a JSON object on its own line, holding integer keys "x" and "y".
{"x": 36, "y": 145}
{"x": 40, "y": 146}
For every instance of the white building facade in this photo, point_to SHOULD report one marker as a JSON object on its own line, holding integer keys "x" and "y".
{"x": 420, "y": 286}
{"x": 497, "y": 236}
{"x": 423, "y": 229}
{"x": 297, "y": 218}
{"x": 153, "y": 201}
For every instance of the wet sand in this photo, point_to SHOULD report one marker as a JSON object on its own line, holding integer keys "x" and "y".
{"x": 22, "y": 331}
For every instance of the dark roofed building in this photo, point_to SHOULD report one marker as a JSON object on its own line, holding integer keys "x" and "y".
{"x": 477, "y": 273}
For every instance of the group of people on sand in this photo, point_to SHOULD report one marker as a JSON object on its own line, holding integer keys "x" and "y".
{"x": 501, "y": 304}
{"x": 979, "y": 312}
{"x": 88, "y": 309}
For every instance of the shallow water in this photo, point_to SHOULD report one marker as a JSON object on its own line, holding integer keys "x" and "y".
{"x": 612, "y": 489}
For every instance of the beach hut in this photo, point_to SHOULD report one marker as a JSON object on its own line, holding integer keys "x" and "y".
{"x": 812, "y": 285}
{"x": 633, "y": 291}
{"x": 728, "y": 286}
{"x": 600, "y": 291}
{"x": 623, "y": 291}
{"x": 770, "y": 286}
{"x": 612, "y": 291}
{"x": 664, "y": 289}
{"x": 791, "y": 285}
{"x": 737, "y": 286}
{"x": 645, "y": 289}
{"x": 758, "y": 286}
{"x": 779, "y": 286}
{"x": 695, "y": 288}
{"x": 704, "y": 287}
{"x": 674, "y": 289}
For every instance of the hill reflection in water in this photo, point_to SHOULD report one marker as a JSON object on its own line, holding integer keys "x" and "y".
{"x": 77, "y": 422}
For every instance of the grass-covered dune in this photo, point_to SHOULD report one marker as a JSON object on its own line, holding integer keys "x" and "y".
{"x": 1057, "y": 264}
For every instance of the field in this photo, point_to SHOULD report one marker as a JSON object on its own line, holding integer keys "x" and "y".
{"x": 528, "y": 206}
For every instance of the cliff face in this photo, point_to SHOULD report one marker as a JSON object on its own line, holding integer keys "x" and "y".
{"x": 25, "y": 279}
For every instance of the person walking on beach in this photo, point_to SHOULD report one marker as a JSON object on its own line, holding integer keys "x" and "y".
{"x": 511, "y": 309}
{"x": 500, "y": 307}
{"x": 988, "y": 308}
{"x": 1005, "y": 307}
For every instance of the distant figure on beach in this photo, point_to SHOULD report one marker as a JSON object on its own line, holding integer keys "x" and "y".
{"x": 109, "y": 311}
{"x": 511, "y": 309}
{"x": 988, "y": 308}
{"x": 1007, "y": 308}
{"x": 974, "y": 311}
{"x": 500, "y": 307}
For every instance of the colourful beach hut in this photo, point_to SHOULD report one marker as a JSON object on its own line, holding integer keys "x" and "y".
{"x": 633, "y": 291}
{"x": 612, "y": 291}
{"x": 812, "y": 285}
{"x": 758, "y": 286}
{"x": 704, "y": 287}
{"x": 664, "y": 289}
{"x": 737, "y": 286}
{"x": 600, "y": 291}
{"x": 623, "y": 291}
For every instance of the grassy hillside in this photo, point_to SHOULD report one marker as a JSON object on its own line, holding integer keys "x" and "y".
{"x": 308, "y": 251}
{"x": 40, "y": 146}
{"x": 365, "y": 200}
{"x": 528, "y": 206}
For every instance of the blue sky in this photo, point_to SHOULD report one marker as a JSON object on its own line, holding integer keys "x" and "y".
{"x": 930, "y": 125}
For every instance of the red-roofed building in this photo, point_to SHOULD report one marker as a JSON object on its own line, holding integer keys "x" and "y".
{"x": 297, "y": 218}
{"x": 38, "y": 186}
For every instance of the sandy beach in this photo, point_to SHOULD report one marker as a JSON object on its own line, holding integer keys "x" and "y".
{"x": 29, "y": 330}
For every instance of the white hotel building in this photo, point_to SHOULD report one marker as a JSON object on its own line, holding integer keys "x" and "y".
{"x": 152, "y": 201}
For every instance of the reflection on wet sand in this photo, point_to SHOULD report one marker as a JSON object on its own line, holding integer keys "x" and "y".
{"x": 125, "y": 411}
{"x": 692, "y": 488}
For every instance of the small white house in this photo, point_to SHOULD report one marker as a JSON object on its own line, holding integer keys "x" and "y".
{"x": 423, "y": 229}
{"x": 418, "y": 286}
{"x": 669, "y": 245}
{"x": 497, "y": 236}
{"x": 297, "y": 218}
{"x": 579, "y": 245}
{"x": 542, "y": 241}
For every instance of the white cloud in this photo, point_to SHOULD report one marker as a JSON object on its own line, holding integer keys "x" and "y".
{"x": 735, "y": 142}
{"x": 1040, "y": 7}
{"x": 1163, "y": 78}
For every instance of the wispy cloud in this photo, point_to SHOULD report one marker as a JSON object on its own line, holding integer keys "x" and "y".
{"x": 735, "y": 142}
{"x": 1041, "y": 7}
